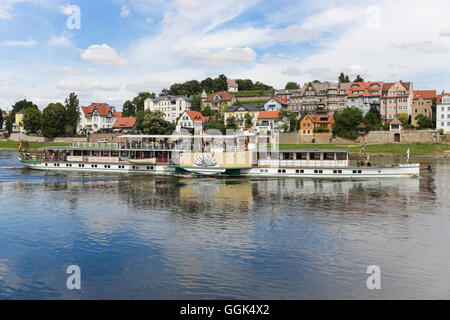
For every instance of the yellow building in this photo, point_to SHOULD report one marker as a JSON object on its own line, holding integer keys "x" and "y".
{"x": 18, "y": 122}
{"x": 239, "y": 112}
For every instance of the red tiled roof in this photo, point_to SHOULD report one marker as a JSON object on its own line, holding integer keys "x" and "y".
{"x": 425, "y": 94}
{"x": 367, "y": 87}
{"x": 269, "y": 115}
{"x": 225, "y": 96}
{"x": 280, "y": 100}
{"x": 321, "y": 118}
{"x": 124, "y": 123}
{"x": 196, "y": 116}
{"x": 118, "y": 114}
{"x": 439, "y": 97}
{"x": 102, "y": 109}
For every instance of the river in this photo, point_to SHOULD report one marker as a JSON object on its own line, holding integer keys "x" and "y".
{"x": 150, "y": 237}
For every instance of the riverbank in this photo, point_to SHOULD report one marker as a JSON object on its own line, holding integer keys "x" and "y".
{"x": 388, "y": 149}
{"x": 10, "y": 145}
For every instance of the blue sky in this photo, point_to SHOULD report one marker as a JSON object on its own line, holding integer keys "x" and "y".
{"x": 127, "y": 46}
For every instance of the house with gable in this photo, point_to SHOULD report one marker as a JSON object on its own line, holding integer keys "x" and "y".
{"x": 365, "y": 96}
{"x": 443, "y": 112}
{"x": 422, "y": 104}
{"x": 396, "y": 98}
{"x": 275, "y": 104}
{"x": 95, "y": 117}
{"x": 218, "y": 99}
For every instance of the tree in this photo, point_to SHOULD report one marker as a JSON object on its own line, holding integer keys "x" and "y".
{"x": 291, "y": 85}
{"x": 358, "y": 79}
{"x": 53, "y": 120}
{"x": 138, "y": 101}
{"x": 290, "y": 120}
{"x": 196, "y": 102}
{"x": 9, "y": 122}
{"x": 22, "y": 105}
{"x": 128, "y": 109}
{"x": 372, "y": 120}
{"x": 231, "y": 123}
{"x": 32, "y": 120}
{"x": 343, "y": 78}
{"x": 423, "y": 122}
{"x": 1, "y": 119}
{"x": 206, "y": 111}
{"x": 347, "y": 122}
{"x": 404, "y": 119}
{"x": 150, "y": 122}
{"x": 248, "y": 120}
{"x": 72, "y": 114}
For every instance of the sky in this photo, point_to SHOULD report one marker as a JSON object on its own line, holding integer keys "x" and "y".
{"x": 109, "y": 51}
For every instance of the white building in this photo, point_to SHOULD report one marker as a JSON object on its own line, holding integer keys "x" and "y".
{"x": 443, "y": 112}
{"x": 232, "y": 86}
{"x": 97, "y": 116}
{"x": 171, "y": 106}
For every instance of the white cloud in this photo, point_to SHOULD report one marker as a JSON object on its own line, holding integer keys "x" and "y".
{"x": 220, "y": 58}
{"x": 19, "y": 43}
{"x": 59, "y": 41}
{"x": 75, "y": 71}
{"x": 124, "y": 11}
{"x": 88, "y": 86}
{"x": 291, "y": 71}
{"x": 103, "y": 54}
{"x": 68, "y": 9}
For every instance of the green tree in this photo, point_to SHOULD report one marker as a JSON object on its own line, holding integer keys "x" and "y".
{"x": 154, "y": 123}
{"x": 291, "y": 122}
{"x": 22, "y": 105}
{"x": 128, "y": 109}
{"x": 1, "y": 119}
{"x": 72, "y": 114}
{"x": 206, "y": 111}
{"x": 347, "y": 122}
{"x": 404, "y": 119}
{"x": 291, "y": 85}
{"x": 248, "y": 120}
{"x": 196, "y": 102}
{"x": 231, "y": 123}
{"x": 9, "y": 122}
{"x": 423, "y": 122}
{"x": 32, "y": 120}
{"x": 343, "y": 78}
{"x": 138, "y": 101}
{"x": 372, "y": 120}
{"x": 358, "y": 79}
{"x": 53, "y": 120}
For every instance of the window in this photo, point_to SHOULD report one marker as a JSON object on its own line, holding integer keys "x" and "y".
{"x": 301, "y": 155}
{"x": 314, "y": 156}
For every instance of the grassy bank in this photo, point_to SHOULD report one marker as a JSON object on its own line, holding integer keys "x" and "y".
{"x": 388, "y": 148}
{"x": 10, "y": 145}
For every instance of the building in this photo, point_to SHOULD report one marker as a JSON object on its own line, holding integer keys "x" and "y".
{"x": 443, "y": 112}
{"x": 365, "y": 96}
{"x": 422, "y": 104}
{"x": 189, "y": 118}
{"x": 317, "y": 125}
{"x": 269, "y": 121}
{"x": 171, "y": 106}
{"x": 4, "y": 115}
{"x": 217, "y": 100}
{"x": 396, "y": 98}
{"x": 285, "y": 94}
{"x": 124, "y": 123}
{"x": 239, "y": 113}
{"x": 95, "y": 117}
{"x": 275, "y": 104}
{"x": 330, "y": 96}
{"x": 232, "y": 86}
{"x": 18, "y": 122}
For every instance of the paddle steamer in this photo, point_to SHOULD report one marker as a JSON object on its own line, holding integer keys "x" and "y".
{"x": 237, "y": 155}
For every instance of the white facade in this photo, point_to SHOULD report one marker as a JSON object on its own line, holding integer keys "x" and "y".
{"x": 443, "y": 114}
{"x": 171, "y": 106}
{"x": 94, "y": 118}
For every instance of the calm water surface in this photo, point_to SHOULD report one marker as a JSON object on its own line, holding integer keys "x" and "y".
{"x": 179, "y": 238}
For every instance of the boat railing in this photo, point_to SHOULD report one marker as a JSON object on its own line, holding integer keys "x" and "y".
{"x": 303, "y": 163}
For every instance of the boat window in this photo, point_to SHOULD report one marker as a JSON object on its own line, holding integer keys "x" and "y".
{"x": 329, "y": 156}
{"x": 288, "y": 156}
{"x": 114, "y": 154}
{"x": 314, "y": 156}
{"x": 105, "y": 153}
{"x": 341, "y": 156}
{"x": 301, "y": 155}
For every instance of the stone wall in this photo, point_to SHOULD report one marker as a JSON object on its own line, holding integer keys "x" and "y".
{"x": 297, "y": 138}
{"x": 406, "y": 136}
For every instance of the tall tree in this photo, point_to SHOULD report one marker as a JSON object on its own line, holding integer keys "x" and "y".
{"x": 138, "y": 101}
{"x": 291, "y": 85}
{"x": 152, "y": 122}
{"x": 347, "y": 122}
{"x": 248, "y": 120}
{"x": 128, "y": 109}
{"x": 72, "y": 114}
{"x": 9, "y": 122}
{"x": 22, "y": 105}
{"x": 231, "y": 123}
{"x": 343, "y": 78}
{"x": 32, "y": 120}
{"x": 53, "y": 120}
{"x": 1, "y": 119}
{"x": 358, "y": 79}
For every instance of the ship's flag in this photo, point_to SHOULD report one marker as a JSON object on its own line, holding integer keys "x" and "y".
{"x": 20, "y": 144}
